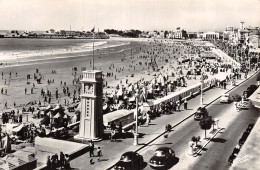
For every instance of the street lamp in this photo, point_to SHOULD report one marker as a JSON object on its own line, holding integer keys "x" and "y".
{"x": 136, "y": 122}
{"x": 201, "y": 90}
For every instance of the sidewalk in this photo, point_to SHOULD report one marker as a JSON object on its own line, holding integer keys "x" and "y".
{"x": 113, "y": 150}
{"x": 250, "y": 151}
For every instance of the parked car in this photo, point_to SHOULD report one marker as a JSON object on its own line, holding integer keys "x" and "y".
{"x": 162, "y": 158}
{"x": 129, "y": 161}
{"x": 251, "y": 89}
{"x": 225, "y": 98}
{"x": 201, "y": 113}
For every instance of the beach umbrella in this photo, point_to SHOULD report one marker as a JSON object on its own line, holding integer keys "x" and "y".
{"x": 57, "y": 115}
{"x": 48, "y": 107}
{"x": 169, "y": 87}
{"x": 74, "y": 119}
{"x": 132, "y": 99}
{"x": 78, "y": 106}
{"x": 154, "y": 81}
{"x": 166, "y": 76}
{"x": 145, "y": 93}
{"x": 161, "y": 80}
{"x": 120, "y": 92}
{"x": 56, "y": 107}
{"x": 130, "y": 88}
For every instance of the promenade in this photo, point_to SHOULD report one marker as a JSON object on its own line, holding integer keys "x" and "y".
{"x": 147, "y": 134}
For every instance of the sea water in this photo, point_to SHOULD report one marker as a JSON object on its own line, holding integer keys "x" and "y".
{"x": 21, "y": 49}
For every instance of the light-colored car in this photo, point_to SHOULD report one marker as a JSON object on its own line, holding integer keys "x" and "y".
{"x": 225, "y": 98}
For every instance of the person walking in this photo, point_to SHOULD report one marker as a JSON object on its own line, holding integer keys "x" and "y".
{"x": 67, "y": 162}
{"x": 91, "y": 148}
{"x": 120, "y": 129}
{"x": 5, "y": 105}
{"x": 48, "y": 162}
{"x": 178, "y": 106}
{"x": 62, "y": 160}
{"x": 185, "y": 104}
{"x": 99, "y": 153}
{"x": 20, "y": 118}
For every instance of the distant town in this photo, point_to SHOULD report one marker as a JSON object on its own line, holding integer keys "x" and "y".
{"x": 248, "y": 35}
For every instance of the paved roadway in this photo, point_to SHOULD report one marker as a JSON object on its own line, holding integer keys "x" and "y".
{"x": 217, "y": 152}
{"x": 222, "y": 146}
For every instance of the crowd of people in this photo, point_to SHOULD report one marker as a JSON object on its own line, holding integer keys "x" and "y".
{"x": 54, "y": 162}
{"x": 168, "y": 65}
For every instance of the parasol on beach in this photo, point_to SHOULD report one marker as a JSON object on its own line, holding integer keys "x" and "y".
{"x": 161, "y": 80}
{"x": 154, "y": 81}
{"x": 120, "y": 92}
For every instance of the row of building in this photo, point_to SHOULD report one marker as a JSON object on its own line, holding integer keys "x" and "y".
{"x": 242, "y": 35}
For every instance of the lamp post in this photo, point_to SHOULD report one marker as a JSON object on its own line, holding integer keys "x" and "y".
{"x": 201, "y": 90}
{"x": 136, "y": 123}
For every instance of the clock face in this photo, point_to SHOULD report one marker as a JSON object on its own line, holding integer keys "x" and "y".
{"x": 88, "y": 88}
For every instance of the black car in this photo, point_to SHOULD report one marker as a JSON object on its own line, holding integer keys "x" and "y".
{"x": 251, "y": 89}
{"x": 162, "y": 158}
{"x": 129, "y": 161}
{"x": 201, "y": 113}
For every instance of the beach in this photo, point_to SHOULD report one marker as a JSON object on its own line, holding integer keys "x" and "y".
{"x": 128, "y": 62}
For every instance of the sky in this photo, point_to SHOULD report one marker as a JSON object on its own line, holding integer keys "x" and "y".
{"x": 147, "y": 15}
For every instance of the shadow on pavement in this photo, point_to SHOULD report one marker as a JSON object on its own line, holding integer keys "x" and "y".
{"x": 173, "y": 162}
{"x": 189, "y": 109}
{"x": 101, "y": 160}
{"x": 204, "y": 149}
{"x": 220, "y": 140}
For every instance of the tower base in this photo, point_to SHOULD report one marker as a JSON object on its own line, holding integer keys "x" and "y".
{"x": 77, "y": 137}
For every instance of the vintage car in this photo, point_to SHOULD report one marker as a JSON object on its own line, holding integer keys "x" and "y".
{"x": 225, "y": 98}
{"x": 129, "y": 161}
{"x": 201, "y": 113}
{"x": 162, "y": 158}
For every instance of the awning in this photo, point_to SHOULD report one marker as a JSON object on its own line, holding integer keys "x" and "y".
{"x": 107, "y": 118}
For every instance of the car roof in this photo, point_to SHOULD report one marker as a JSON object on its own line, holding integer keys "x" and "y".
{"x": 164, "y": 149}
{"x": 129, "y": 153}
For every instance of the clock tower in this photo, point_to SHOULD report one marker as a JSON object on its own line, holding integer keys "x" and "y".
{"x": 91, "y": 118}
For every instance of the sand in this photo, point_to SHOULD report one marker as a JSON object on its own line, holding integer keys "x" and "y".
{"x": 127, "y": 57}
